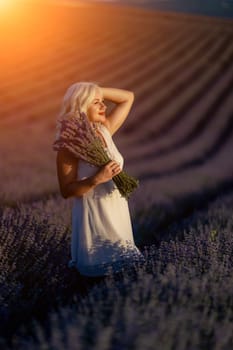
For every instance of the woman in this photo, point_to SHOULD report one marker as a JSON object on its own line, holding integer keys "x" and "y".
{"x": 102, "y": 239}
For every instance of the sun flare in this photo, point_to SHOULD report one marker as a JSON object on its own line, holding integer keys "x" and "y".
{"x": 8, "y": 6}
{"x": 4, "y": 4}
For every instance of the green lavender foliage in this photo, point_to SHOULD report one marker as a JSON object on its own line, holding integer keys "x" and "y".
{"x": 181, "y": 298}
{"x": 78, "y": 136}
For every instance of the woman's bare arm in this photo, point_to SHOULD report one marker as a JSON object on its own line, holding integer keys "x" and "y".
{"x": 67, "y": 166}
{"x": 124, "y": 100}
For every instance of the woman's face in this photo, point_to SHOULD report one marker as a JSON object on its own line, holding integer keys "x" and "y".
{"x": 97, "y": 108}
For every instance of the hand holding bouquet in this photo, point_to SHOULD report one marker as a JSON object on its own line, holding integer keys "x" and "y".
{"x": 78, "y": 136}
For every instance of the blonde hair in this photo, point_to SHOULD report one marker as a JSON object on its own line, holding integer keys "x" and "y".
{"x": 76, "y": 100}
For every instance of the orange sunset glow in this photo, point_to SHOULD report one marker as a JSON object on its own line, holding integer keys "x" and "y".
{"x": 29, "y": 33}
{"x": 6, "y": 4}
{"x": 11, "y": 9}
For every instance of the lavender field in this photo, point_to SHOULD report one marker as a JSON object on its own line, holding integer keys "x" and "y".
{"x": 178, "y": 140}
{"x": 180, "y": 298}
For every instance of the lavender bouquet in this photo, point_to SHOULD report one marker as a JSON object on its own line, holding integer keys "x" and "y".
{"x": 78, "y": 136}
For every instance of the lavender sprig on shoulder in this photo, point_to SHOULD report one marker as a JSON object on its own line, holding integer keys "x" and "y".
{"x": 78, "y": 136}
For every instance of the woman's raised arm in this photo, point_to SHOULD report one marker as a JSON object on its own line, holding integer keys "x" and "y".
{"x": 124, "y": 100}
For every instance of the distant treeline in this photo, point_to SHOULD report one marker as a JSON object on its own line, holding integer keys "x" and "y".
{"x": 222, "y": 8}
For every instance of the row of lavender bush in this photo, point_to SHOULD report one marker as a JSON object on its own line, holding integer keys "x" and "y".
{"x": 181, "y": 298}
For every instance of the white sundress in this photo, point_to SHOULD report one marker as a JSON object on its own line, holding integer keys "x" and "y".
{"x": 102, "y": 239}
